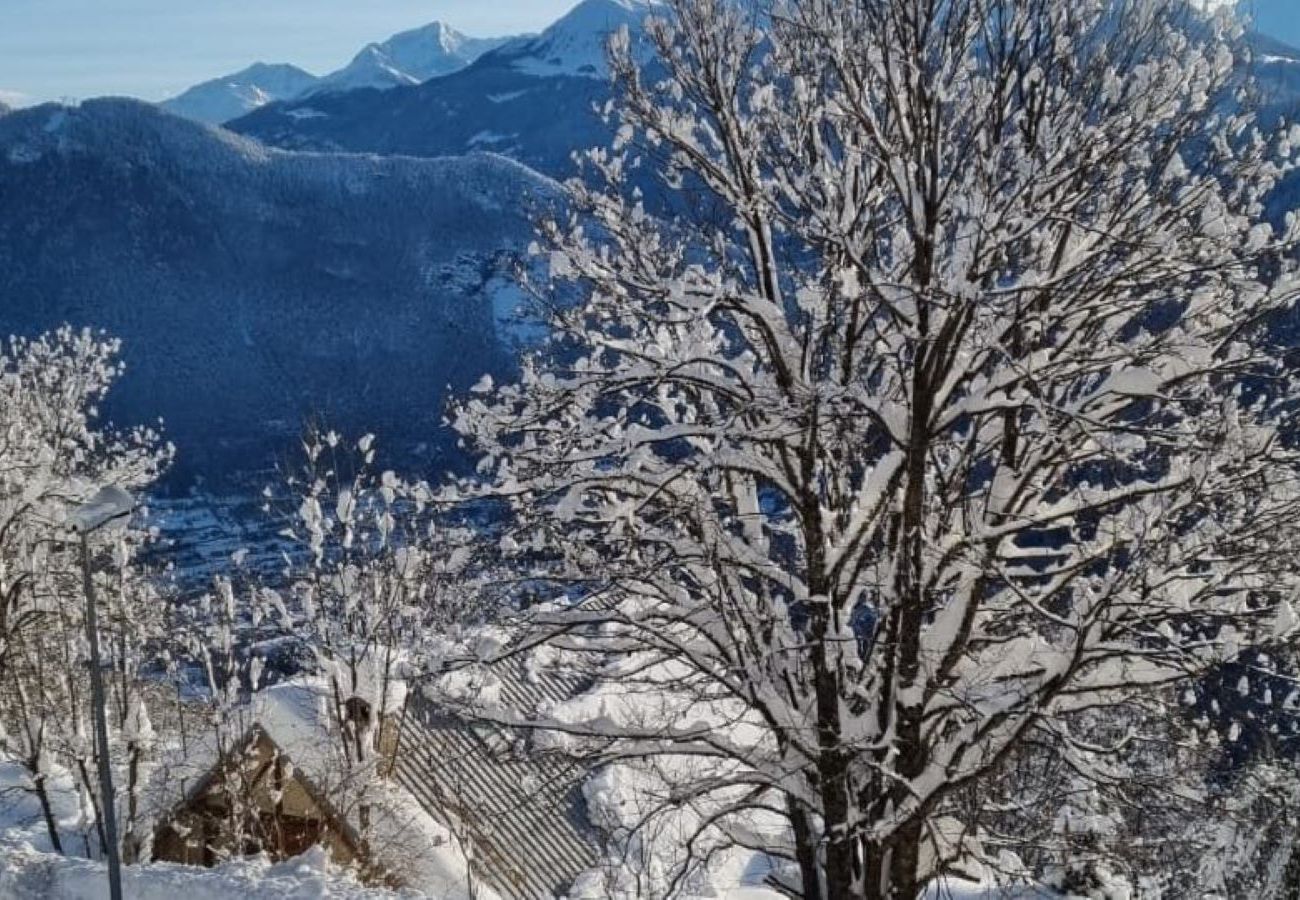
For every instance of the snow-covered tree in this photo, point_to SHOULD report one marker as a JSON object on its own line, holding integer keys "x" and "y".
{"x": 943, "y": 410}
{"x": 378, "y": 578}
{"x": 55, "y": 453}
{"x": 323, "y": 646}
{"x": 1133, "y": 803}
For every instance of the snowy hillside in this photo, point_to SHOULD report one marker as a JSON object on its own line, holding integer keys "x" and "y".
{"x": 253, "y": 287}
{"x": 228, "y": 97}
{"x": 531, "y": 99}
{"x": 404, "y": 59}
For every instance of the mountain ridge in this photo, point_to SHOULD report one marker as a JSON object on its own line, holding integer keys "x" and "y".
{"x": 533, "y": 99}
{"x": 406, "y": 58}
{"x": 229, "y": 96}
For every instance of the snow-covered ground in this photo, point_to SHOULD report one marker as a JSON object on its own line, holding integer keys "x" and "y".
{"x": 28, "y": 874}
{"x": 28, "y": 871}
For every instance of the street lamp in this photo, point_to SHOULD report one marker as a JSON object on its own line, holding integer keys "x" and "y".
{"x": 109, "y": 505}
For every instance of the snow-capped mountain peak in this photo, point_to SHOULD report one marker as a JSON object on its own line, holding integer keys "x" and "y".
{"x": 575, "y": 44}
{"x": 601, "y": 15}
{"x": 371, "y": 68}
{"x": 230, "y": 96}
{"x": 421, "y": 48}
{"x": 408, "y": 58}
{"x": 530, "y": 99}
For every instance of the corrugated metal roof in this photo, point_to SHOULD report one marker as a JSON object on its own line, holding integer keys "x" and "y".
{"x": 522, "y": 812}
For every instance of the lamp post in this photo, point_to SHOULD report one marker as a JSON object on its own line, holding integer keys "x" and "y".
{"x": 109, "y": 505}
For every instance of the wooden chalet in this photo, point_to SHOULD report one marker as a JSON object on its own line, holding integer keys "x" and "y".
{"x": 288, "y": 813}
{"x": 520, "y": 813}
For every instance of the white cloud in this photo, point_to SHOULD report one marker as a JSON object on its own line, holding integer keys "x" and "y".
{"x": 13, "y": 98}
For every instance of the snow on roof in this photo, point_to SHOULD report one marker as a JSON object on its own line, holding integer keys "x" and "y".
{"x": 510, "y": 680}
{"x": 524, "y": 809}
{"x": 296, "y": 715}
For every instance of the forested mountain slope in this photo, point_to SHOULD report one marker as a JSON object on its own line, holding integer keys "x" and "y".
{"x": 254, "y": 287}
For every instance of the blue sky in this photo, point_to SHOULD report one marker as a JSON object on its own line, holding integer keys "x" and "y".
{"x": 51, "y": 49}
{"x": 153, "y": 49}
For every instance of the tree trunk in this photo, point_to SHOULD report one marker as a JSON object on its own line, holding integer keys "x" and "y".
{"x": 843, "y": 875}
{"x": 840, "y": 880}
{"x": 88, "y": 786}
{"x": 905, "y": 863}
{"x": 805, "y": 848}
{"x": 131, "y": 841}
{"x": 47, "y": 811}
{"x": 893, "y": 869}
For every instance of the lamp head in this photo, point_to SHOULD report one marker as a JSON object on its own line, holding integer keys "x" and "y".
{"x": 110, "y": 504}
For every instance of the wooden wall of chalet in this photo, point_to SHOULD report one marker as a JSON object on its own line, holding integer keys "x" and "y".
{"x": 289, "y": 824}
